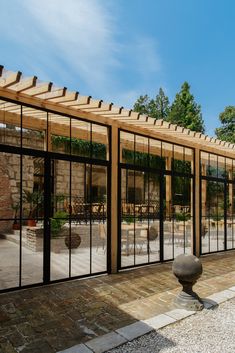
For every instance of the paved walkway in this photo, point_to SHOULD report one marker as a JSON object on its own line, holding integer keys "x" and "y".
{"x": 52, "y": 318}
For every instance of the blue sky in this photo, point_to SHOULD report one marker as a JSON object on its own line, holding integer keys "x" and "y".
{"x": 116, "y": 50}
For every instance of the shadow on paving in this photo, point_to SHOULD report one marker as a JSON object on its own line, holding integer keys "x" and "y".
{"x": 52, "y": 318}
{"x": 161, "y": 343}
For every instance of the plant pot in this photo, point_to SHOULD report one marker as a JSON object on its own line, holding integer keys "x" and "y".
{"x": 31, "y": 223}
{"x": 72, "y": 242}
{"x": 16, "y": 226}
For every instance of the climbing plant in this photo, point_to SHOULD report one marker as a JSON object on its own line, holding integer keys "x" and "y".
{"x": 79, "y": 147}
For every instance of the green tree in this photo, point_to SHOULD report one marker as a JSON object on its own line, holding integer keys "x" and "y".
{"x": 157, "y": 108}
{"x": 227, "y": 131}
{"x": 142, "y": 105}
{"x": 185, "y": 111}
{"x": 160, "y": 106}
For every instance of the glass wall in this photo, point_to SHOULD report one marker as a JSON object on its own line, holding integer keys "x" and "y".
{"x": 53, "y": 196}
{"x": 217, "y": 203}
{"x": 156, "y": 188}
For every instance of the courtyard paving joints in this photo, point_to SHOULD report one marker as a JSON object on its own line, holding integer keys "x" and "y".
{"x": 55, "y": 317}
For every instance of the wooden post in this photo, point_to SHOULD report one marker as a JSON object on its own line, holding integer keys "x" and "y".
{"x": 197, "y": 202}
{"x": 114, "y": 200}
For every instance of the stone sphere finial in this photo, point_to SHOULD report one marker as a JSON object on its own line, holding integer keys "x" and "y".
{"x": 187, "y": 269}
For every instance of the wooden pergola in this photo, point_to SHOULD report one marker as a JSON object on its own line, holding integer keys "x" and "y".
{"x": 30, "y": 91}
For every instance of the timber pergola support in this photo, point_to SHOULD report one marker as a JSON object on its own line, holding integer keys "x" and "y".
{"x": 39, "y": 98}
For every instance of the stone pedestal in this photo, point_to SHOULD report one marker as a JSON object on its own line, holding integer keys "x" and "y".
{"x": 188, "y": 269}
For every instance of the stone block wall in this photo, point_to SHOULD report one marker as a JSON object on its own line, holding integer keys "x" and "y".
{"x": 6, "y": 210}
{"x": 62, "y": 179}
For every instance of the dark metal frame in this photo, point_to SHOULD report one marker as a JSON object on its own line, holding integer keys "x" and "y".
{"x": 226, "y": 182}
{"x": 48, "y": 156}
{"x": 161, "y": 173}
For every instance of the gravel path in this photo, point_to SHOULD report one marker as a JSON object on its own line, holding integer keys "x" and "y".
{"x": 209, "y": 331}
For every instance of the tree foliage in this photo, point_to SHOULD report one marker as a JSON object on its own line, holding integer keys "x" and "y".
{"x": 157, "y": 108}
{"x": 185, "y": 111}
{"x": 227, "y": 131}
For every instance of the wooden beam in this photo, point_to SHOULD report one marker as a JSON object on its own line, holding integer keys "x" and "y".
{"x": 10, "y": 79}
{"x": 74, "y": 111}
{"x": 25, "y": 84}
{"x": 39, "y": 89}
{"x": 1, "y": 70}
{"x": 56, "y": 127}
{"x": 80, "y": 100}
{"x": 54, "y": 94}
{"x": 69, "y": 97}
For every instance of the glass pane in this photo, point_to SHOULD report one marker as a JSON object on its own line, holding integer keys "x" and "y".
{"x": 167, "y": 155}
{"x": 32, "y": 231}
{"x": 80, "y": 138}
{"x": 221, "y": 167}
{"x": 179, "y": 163}
{"x": 155, "y": 154}
{"x": 127, "y": 221}
{"x": 10, "y": 124}
{"x": 188, "y": 156}
{"x": 181, "y": 197}
{"x": 154, "y": 217}
{"x": 34, "y": 126}
{"x": 59, "y": 222}
{"x": 141, "y": 151}
{"x": 204, "y": 163}
{"x": 99, "y": 142}
{"x": 229, "y": 168}
{"x": 127, "y": 146}
{"x": 9, "y": 220}
{"x": 59, "y": 138}
{"x": 212, "y": 167}
{"x": 99, "y": 219}
{"x": 80, "y": 220}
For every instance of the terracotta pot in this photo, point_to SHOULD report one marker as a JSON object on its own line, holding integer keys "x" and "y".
{"x": 31, "y": 223}
{"x": 16, "y": 226}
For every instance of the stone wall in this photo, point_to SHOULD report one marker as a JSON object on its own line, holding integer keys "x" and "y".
{"x": 6, "y": 210}
{"x": 11, "y": 172}
{"x": 62, "y": 179}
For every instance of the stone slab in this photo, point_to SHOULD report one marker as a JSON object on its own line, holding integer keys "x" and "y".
{"x": 106, "y": 342}
{"x": 159, "y": 321}
{"x": 79, "y": 348}
{"x": 179, "y": 314}
{"x": 134, "y": 330}
{"x": 232, "y": 288}
{"x": 222, "y": 296}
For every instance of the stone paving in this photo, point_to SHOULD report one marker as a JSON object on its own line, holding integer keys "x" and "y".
{"x": 52, "y": 318}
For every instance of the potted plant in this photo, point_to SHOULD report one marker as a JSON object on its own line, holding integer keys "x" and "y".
{"x": 58, "y": 230}
{"x": 34, "y": 199}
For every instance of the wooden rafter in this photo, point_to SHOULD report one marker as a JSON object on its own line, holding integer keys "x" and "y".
{"x": 10, "y": 79}
{"x": 29, "y": 91}
{"x": 39, "y": 89}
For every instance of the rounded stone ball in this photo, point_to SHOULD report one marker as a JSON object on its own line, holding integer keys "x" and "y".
{"x": 187, "y": 268}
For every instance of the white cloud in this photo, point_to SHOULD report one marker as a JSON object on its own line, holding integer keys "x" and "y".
{"x": 79, "y": 41}
{"x": 79, "y": 33}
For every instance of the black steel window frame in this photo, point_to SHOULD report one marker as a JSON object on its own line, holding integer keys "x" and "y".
{"x": 226, "y": 182}
{"x": 48, "y": 156}
{"x": 161, "y": 174}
